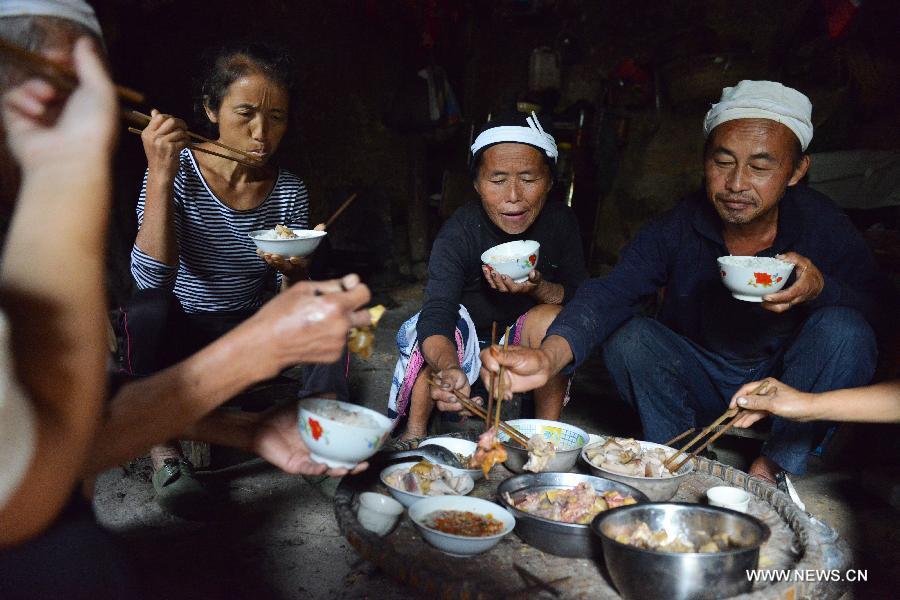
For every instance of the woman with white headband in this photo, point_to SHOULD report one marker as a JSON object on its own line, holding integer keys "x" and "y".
{"x": 513, "y": 160}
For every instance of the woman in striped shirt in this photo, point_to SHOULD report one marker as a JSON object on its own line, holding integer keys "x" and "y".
{"x": 196, "y": 268}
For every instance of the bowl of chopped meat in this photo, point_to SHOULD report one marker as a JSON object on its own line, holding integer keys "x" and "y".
{"x": 287, "y": 241}
{"x": 553, "y": 511}
{"x": 678, "y": 551}
{"x": 552, "y": 446}
{"x": 637, "y": 463}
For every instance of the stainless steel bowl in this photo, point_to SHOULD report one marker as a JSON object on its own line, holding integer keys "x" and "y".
{"x": 562, "y": 539}
{"x": 568, "y": 437}
{"x": 651, "y": 575}
{"x": 658, "y": 489}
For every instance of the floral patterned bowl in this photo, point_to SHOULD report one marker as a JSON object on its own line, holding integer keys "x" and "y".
{"x": 340, "y": 434}
{"x": 515, "y": 259}
{"x": 751, "y": 277}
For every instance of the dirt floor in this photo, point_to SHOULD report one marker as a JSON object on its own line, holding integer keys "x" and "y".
{"x": 270, "y": 535}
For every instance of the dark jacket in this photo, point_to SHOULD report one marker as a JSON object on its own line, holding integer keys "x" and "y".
{"x": 455, "y": 277}
{"x": 678, "y": 252}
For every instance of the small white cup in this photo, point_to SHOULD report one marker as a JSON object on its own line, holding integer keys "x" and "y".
{"x": 729, "y": 497}
{"x": 378, "y": 513}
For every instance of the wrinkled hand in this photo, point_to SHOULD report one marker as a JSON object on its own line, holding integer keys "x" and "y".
{"x": 779, "y": 399}
{"x": 808, "y": 284}
{"x": 307, "y": 323}
{"x": 525, "y": 369}
{"x": 294, "y": 267}
{"x": 44, "y": 128}
{"x": 449, "y": 380}
{"x": 276, "y": 438}
{"x": 164, "y": 138}
{"x": 505, "y": 284}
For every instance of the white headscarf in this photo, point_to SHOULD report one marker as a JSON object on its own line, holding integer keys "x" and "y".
{"x": 763, "y": 100}
{"x": 533, "y": 135}
{"x": 77, "y": 11}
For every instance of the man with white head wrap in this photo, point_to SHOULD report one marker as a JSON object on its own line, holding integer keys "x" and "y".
{"x": 681, "y": 368}
{"x": 512, "y": 170}
{"x": 51, "y": 28}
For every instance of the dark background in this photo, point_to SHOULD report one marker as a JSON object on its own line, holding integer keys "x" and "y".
{"x": 640, "y": 74}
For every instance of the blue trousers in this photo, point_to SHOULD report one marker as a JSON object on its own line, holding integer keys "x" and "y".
{"x": 675, "y": 384}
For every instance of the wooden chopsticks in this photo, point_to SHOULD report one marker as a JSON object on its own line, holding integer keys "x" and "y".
{"x": 731, "y": 413}
{"x": 499, "y": 385}
{"x": 196, "y": 148}
{"x": 680, "y": 437}
{"x": 340, "y": 209}
{"x": 490, "y": 404}
{"x": 141, "y": 120}
{"x": 59, "y": 75}
{"x": 478, "y": 411}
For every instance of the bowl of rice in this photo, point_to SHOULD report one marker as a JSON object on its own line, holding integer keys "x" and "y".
{"x": 515, "y": 259}
{"x": 287, "y": 241}
{"x": 749, "y": 278}
{"x": 340, "y": 434}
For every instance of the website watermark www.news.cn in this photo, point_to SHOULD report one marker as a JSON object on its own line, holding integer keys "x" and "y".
{"x": 807, "y": 575}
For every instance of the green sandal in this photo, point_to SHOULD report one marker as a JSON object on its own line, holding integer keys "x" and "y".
{"x": 177, "y": 489}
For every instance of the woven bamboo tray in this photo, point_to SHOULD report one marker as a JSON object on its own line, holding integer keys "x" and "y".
{"x": 797, "y": 542}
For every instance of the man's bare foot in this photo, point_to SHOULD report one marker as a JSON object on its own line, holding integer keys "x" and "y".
{"x": 764, "y": 468}
{"x": 412, "y": 433}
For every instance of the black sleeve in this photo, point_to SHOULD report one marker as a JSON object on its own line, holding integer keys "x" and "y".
{"x": 601, "y": 305}
{"x": 446, "y": 276}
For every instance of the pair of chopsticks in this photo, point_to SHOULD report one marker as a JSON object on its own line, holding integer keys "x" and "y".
{"x": 732, "y": 413}
{"x": 64, "y": 78}
{"x": 61, "y": 76}
{"x": 480, "y": 412}
{"x": 496, "y": 390}
{"x": 142, "y": 120}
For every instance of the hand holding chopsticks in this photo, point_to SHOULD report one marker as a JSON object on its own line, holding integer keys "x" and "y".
{"x": 479, "y": 411}
{"x": 141, "y": 120}
{"x": 732, "y": 413}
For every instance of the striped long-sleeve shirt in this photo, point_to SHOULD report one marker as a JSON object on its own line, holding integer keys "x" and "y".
{"x": 218, "y": 268}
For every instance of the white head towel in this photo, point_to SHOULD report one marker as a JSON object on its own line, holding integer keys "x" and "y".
{"x": 533, "y": 135}
{"x": 763, "y": 100}
{"x": 73, "y": 10}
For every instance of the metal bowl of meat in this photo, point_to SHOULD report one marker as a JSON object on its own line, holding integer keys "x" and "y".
{"x": 553, "y": 447}
{"x": 638, "y": 464}
{"x": 677, "y": 551}
{"x": 553, "y": 511}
